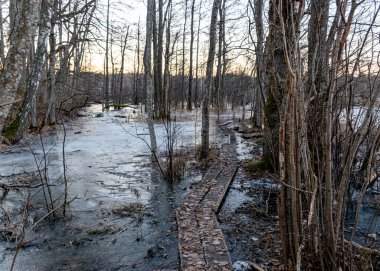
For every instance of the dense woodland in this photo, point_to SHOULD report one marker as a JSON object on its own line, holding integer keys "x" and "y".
{"x": 307, "y": 70}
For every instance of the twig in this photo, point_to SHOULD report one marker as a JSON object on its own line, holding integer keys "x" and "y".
{"x": 47, "y": 181}
{"x": 363, "y": 248}
{"x": 8, "y": 103}
{"x": 114, "y": 239}
{"x": 64, "y": 164}
{"x": 17, "y": 251}
{"x": 24, "y": 221}
{"x": 289, "y": 186}
{"x": 11, "y": 186}
{"x": 40, "y": 174}
{"x": 49, "y": 213}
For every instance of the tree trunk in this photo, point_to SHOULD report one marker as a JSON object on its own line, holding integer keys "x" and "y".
{"x": 2, "y": 53}
{"x": 156, "y": 96}
{"x": 168, "y": 55}
{"x": 260, "y": 96}
{"x": 18, "y": 50}
{"x": 107, "y": 83}
{"x": 286, "y": 94}
{"x": 148, "y": 77}
{"x": 197, "y": 57}
{"x": 160, "y": 49}
{"x": 14, "y": 16}
{"x": 218, "y": 80}
{"x": 39, "y": 62}
{"x": 183, "y": 59}
{"x": 205, "y": 132}
{"x": 51, "y": 108}
{"x": 189, "y": 94}
{"x": 137, "y": 72}
{"x": 124, "y": 46}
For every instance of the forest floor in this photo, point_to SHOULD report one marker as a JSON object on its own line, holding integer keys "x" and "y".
{"x": 122, "y": 214}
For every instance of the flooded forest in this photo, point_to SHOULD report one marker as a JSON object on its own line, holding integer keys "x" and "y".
{"x": 190, "y": 135}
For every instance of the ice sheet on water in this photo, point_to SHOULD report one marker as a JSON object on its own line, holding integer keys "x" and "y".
{"x": 356, "y": 116}
{"x": 242, "y": 266}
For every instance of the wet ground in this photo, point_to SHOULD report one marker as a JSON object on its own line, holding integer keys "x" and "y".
{"x": 249, "y": 215}
{"x": 122, "y": 213}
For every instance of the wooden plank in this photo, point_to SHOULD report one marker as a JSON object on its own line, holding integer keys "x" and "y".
{"x": 201, "y": 241}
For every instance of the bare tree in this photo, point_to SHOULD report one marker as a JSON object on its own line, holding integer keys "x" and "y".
{"x": 197, "y": 56}
{"x": 106, "y": 60}
{"x": 189, "y": 95}
{"x": 160, "y": 46}
{"x": 205, "y": 132}
{"x": 315, "y": 152}
{"x": 148, "y": 77}
{"x": 257, "y": 7}
{"x": 123, "y": 47}
{"x": 183, "y": 91}
{"x": 50, "y": 116}
{"x": 168, "y": 56}
{"x": 136, "y": 79}
{"x": 221, "y": 41}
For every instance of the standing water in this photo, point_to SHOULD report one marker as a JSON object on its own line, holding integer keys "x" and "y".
{"x": 122, "y": 212}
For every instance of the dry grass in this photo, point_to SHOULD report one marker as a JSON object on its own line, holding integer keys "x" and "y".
{"x": 103, "y": 230}
{"x": 130, "y": 209}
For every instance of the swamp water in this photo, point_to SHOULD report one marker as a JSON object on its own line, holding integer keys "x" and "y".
{"x": 108, "y": 167}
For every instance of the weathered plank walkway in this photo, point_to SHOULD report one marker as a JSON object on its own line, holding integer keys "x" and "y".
{"x": 201, "y": 241}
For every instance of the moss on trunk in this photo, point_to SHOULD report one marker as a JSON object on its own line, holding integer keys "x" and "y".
{"x": 10, "y": 131}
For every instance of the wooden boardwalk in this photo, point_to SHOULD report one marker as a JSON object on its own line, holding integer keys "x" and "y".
{"x": 201, "y": 241}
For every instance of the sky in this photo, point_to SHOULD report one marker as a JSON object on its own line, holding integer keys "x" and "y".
{"x": 125, "y": 13}
{"x": 122, "y": 14}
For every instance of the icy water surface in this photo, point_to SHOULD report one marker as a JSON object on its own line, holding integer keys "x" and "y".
{"x": 108, "y": 165}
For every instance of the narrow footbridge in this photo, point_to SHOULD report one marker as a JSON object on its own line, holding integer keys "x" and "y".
{"x": 201, "y": 241}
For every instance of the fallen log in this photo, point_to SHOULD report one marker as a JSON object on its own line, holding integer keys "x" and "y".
{"x": 371, "y": 251}
{"x": 226, "y": 123}
{"x": 17, "y": 186}
{"x": 253, "y": 135}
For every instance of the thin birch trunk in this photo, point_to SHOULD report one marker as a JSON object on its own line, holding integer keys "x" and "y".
{"x": 39, "y": 62}
{"x": 51, "y": 108}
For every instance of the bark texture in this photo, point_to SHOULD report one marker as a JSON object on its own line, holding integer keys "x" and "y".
{"x": 20, "y": 41}
{"x": 39, "y": 62}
